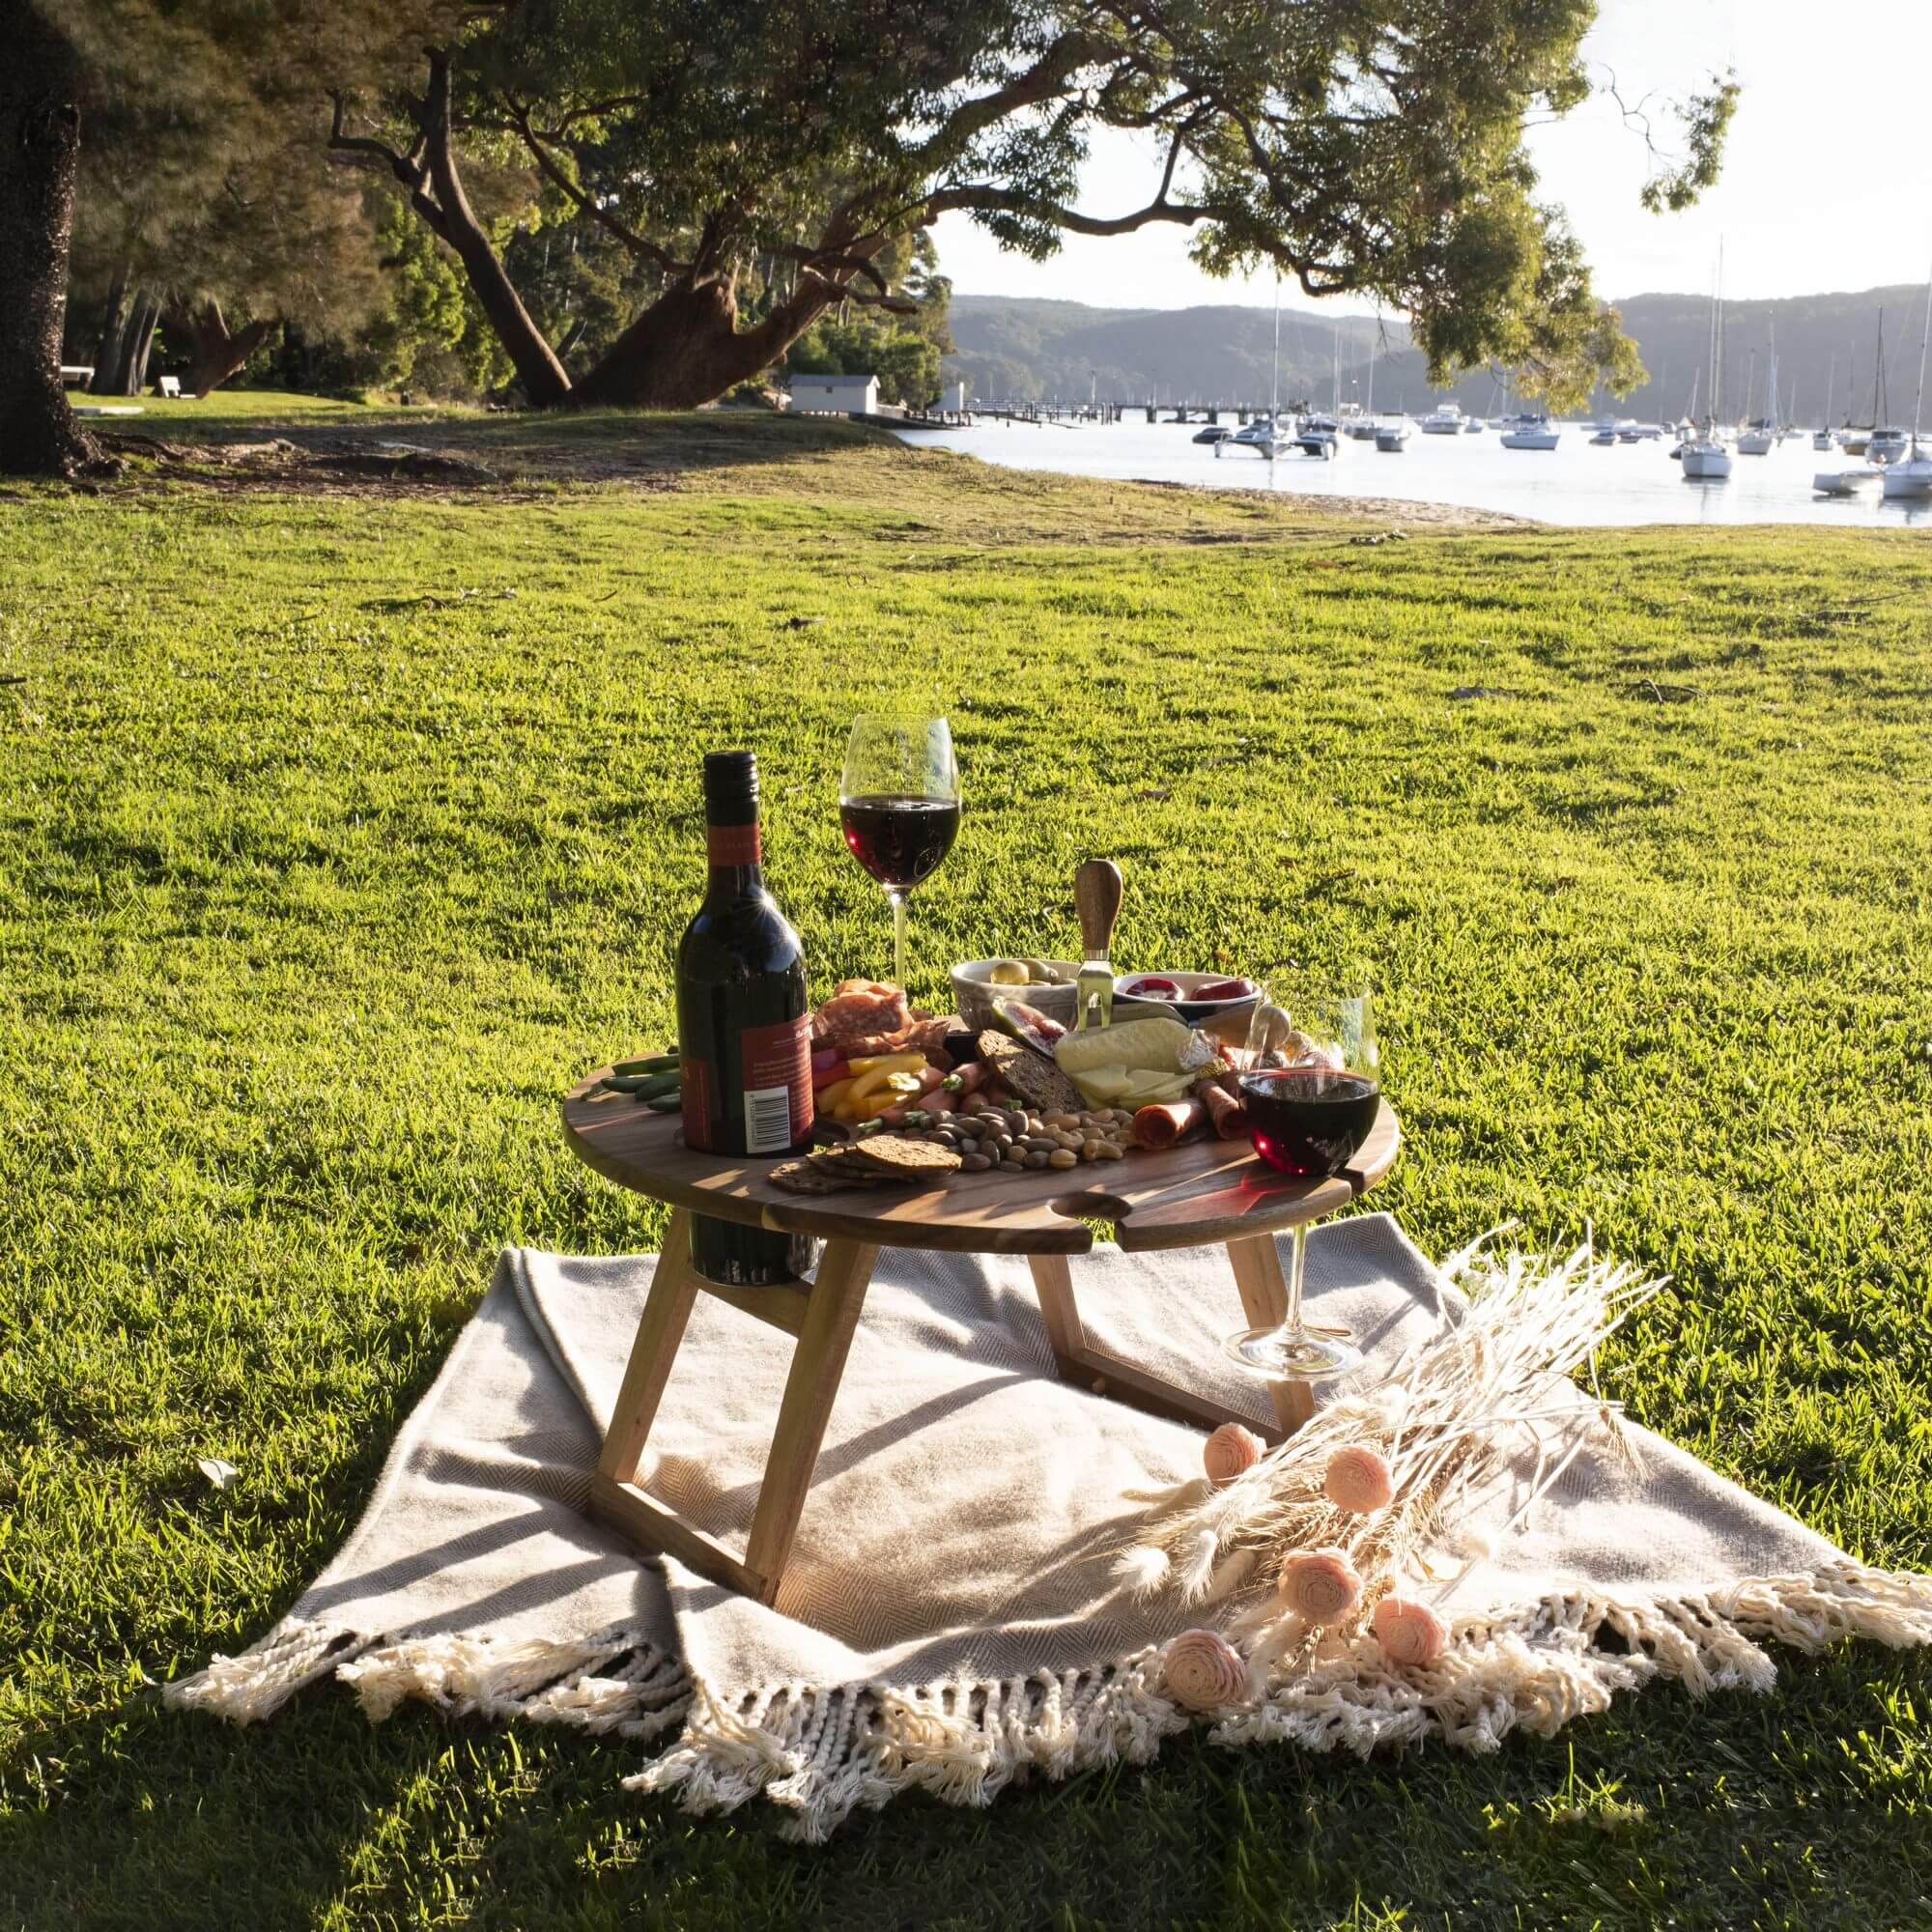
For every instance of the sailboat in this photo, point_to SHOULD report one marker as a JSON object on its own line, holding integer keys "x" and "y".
{"x": 1705, "y": 458}
{"x": 1317, "y": 434}
{"x": 1821, "y": 436}
{"x": 1264, "y": 434}
{"x": 1758, "y": 435}
{"x": 1362, "y": 428}
{"x": 1911, "y": 474}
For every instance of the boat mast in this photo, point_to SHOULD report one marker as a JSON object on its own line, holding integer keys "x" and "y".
{"x": 1878, "y": 372}
{"x": 1919, "y": 401}
{"x": 1718, "y": 343}
{"x": 1274, "y": 399}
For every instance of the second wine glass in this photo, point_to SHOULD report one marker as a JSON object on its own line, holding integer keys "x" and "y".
{"x": 898, "y": 803}
{"x": 1312, "y": 1098}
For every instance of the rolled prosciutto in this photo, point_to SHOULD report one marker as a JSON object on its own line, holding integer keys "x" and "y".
{"x": 1230, "y": 1123}
{"x": 1160, "y": 1126}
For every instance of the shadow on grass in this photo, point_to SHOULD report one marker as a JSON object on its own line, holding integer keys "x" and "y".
{"x": 1666, "y": 1810}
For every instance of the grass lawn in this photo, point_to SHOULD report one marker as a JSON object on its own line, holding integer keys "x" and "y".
{"x": 339, "y": 832}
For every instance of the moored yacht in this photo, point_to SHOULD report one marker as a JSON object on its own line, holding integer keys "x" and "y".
{"x": 1705, "y": 457}
{"x": 1529, "y": 431}
{"x": 1263, "y": 434}
{"x": 1445, "y": 420}
{"x": 1911, "y": 473}
{"x": 1845, "y": 482}
{"x": 1392, "y": 436}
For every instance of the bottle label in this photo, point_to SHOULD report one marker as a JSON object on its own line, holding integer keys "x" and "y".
{"x": 777, "y": 1085}
{"x": 734, "y": 844}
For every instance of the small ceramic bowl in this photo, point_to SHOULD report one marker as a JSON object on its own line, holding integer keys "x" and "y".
{"x": 975, "y": 993}
{"x": 1226, "y": 1019}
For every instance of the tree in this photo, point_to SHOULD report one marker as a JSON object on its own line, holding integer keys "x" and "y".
{"x": 1364, "y": 146}
{"x": 184, "y": 102}
{"x": 40, "y": 149}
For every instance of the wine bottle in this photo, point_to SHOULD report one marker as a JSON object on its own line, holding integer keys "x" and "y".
{"x": 744, "y": 1028}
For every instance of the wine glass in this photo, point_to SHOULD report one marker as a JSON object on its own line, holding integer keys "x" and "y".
{"x": 899, "y": 805}
{"x": 1311, "y": 1093}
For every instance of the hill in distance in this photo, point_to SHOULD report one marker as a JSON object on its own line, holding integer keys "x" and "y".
{"x": 1016, "y": 349}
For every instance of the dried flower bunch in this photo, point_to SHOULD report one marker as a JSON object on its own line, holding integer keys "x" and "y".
{"x": 1339, "y": 1521}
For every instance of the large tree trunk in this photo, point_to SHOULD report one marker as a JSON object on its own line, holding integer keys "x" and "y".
{"x": 40, "y": 143}
{"x": 686, "y": 348}
{"x": 542, "y": 374}
{"x": 140, "y": 345}
{"x": 218, "y": 354}
{"x": 107, "y": 343}
{"x": 117, "y": 376}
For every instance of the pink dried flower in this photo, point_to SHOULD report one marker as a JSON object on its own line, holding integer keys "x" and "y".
{"x": 1230, "y": 1452}
{"x": 1410, "y": 1632}
{"x": 1321, "y": 1585}
{"x": 1205, "y": 1671}
{"x": 1358, "y": 1479}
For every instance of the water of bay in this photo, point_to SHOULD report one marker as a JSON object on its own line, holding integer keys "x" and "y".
{"x": 1577, "y": 482}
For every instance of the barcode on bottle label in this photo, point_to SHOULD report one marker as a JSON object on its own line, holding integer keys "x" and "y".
{"x": 767, "y": 1119}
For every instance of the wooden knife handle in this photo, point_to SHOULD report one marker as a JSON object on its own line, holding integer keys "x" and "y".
{"x": 1097, "y": 899}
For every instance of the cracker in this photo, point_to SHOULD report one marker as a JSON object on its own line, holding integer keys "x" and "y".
{"x": 906, "y": 1159}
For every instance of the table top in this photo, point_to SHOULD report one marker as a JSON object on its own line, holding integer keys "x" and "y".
{"x": 1201, "y": 1191}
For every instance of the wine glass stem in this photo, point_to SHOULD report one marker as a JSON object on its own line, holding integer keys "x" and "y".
{"x": 1297, "y": 1269}
{"x": 898, "y": 900}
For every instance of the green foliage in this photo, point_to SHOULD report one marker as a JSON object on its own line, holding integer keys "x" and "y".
{"x": 904, "y": 354}
{"x": 1362, "y": 147}
{"x": 325, "y": 877}
{"x": 1705, "y": 118}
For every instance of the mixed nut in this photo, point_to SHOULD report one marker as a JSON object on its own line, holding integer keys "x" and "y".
{"x": 990, "y": 1136}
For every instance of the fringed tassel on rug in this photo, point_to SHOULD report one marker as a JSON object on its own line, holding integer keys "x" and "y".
{"x": 822, "y": 1754}
{"x": 547, "y": 1683}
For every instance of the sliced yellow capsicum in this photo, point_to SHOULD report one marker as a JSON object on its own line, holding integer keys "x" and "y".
{"x": 888, "y": 1062}
{"x": 829, "y": 1097}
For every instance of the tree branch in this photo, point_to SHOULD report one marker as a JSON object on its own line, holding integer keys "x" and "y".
{"x": 819, "y": 259}
{"x": 985, "y": 197}
{"x": 408, "y": 169}
{"x": 839, "y": 291}
{"x": 639, "y": 244}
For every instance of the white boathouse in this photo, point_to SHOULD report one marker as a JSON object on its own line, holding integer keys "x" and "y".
{"x": 835, "y": 395}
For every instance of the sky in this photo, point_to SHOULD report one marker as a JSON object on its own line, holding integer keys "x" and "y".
{"x": 1827, "y": 181}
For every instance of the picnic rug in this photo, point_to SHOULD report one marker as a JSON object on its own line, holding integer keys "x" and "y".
{"x": 954, "y": 1617}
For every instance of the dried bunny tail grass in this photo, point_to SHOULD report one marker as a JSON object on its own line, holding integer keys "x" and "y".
{"x": 1491, "y": 1380}
{"x": 1142, "y": 1570}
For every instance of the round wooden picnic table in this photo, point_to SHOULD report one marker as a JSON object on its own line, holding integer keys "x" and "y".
{"x": 1201, "y": 1192}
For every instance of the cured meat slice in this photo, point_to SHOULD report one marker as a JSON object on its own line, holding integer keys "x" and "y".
{"x": 860, "y": 1011}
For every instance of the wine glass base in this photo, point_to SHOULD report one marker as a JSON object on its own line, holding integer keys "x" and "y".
{"x": 1293, "y": 1355}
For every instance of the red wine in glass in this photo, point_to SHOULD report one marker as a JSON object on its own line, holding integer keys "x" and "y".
{"x": 1309, "y": 1120}
{"x": 899, "y": 841}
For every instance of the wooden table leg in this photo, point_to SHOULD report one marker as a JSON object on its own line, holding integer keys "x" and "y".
{"x": 1264, "y": 1295}
{"x": 824, "y": 1329}
{"x": 1264, "y": 1290}
{"x": 660, "y": 1329}
{"x": 837, "y": 1294}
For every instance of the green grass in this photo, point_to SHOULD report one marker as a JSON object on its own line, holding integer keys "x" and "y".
{"x": 338, "y": 833}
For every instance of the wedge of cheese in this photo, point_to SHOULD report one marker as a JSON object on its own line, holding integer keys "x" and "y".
{"x": 1140, "y": 1046}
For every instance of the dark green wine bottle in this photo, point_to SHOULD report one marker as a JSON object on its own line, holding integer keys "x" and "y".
{"x": 744, "y": 1028}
